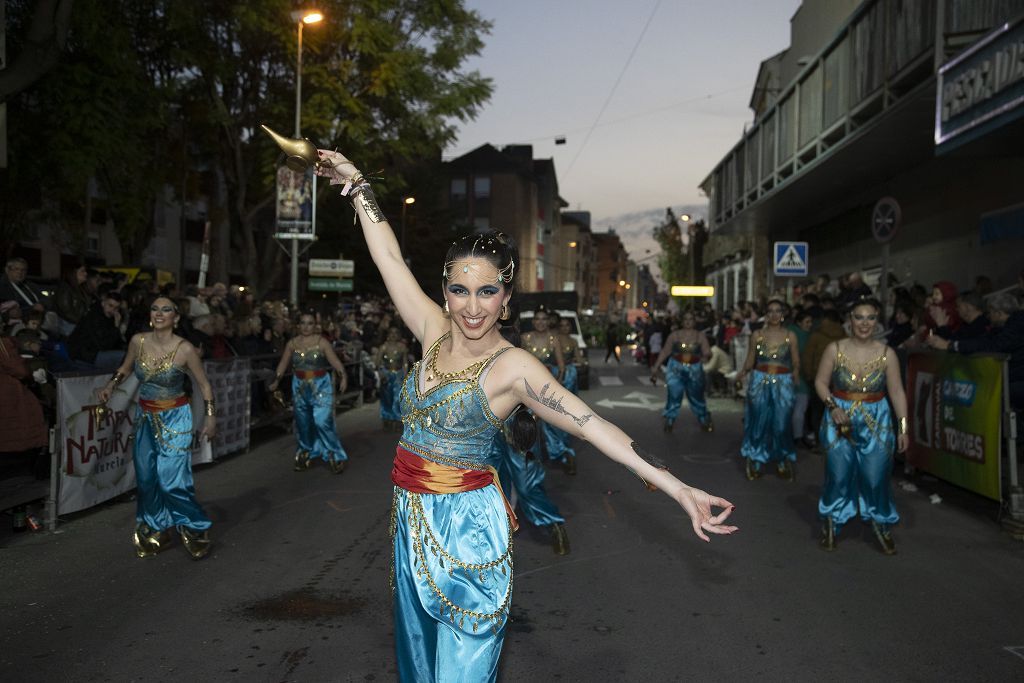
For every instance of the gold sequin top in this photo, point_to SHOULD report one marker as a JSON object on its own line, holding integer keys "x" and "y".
{"x": 451, "y": 423}
{"x": 868, "y": 378}
{"x": 159, "y": 378}
{"x": 772, "y": 354}
{"x": 542, "y": 346}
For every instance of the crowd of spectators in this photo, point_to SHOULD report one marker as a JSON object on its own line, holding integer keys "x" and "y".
{"x": 84, "y": 326}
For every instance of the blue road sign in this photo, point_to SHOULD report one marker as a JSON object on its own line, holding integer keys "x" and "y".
{"x": 790, "y": 258}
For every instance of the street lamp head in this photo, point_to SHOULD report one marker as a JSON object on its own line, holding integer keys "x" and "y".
{"x": 685, "y": 218}
{"x": 410, "y": 200}
{"x": 307, "y": 16}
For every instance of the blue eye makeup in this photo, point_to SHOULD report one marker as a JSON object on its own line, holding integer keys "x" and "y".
{"x": 488, "y": 291}
{"x": 457, "y": 289}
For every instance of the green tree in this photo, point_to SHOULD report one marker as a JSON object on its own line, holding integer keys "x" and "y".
{"x": 384, "y": 81}
{"x": 142, "y": 80}
{"x": 673, "y": 261}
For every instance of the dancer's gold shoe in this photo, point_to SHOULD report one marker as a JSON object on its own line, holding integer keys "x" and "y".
{"x": 884, "y": 537}
{"x": 337, "y": 466}
{"x": 302, "y": 462}
{"x": 828, "y": 535}
{"x": 559, "y": 539}
{"x": 752, "y": 472}
{"x": 197, "y": 543}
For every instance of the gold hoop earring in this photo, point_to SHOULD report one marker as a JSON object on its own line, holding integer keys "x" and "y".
{"x": 150, "y": 324}
{"x": 505, "y": 313}
{"x": 446, "y": 313}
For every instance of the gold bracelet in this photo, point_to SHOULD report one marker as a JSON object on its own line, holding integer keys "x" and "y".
{"x": 211, "y": 408}
{"x": 364, "y": 195}
{"x": 830, "y": 403}
{"x": 902, "y": 426}
{"x": 116, "y": 378}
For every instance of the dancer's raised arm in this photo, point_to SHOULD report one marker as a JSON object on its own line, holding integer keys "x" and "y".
{"x": 420, "y": 314}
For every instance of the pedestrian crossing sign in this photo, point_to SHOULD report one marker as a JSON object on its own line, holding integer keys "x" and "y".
{"x": 791, "y": 258}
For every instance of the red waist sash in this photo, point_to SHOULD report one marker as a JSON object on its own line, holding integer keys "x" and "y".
{"x": 687, "y": 358}
{"x": 868, "y": 397}
{"x": 309, "y": 374}
{"x": 161, "y": 404}
{"x": 419, "y": 475}
{"x": 773, "y": 369}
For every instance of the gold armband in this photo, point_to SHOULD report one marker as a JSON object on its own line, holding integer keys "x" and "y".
{"x": 117, "y": 378}
{"x": 901, "y": 426}
{"x": 366, "y": 199}
{"x": 211, "y": 408}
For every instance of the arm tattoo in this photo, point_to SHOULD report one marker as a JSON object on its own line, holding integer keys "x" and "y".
{"x": 554, "y": 404}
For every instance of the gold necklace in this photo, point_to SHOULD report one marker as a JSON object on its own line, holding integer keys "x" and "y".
{"x": 433, "y": 373}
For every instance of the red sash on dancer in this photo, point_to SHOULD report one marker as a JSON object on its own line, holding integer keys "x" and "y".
{"x": 419, "y": 475}
{"x": 161, "y": 404}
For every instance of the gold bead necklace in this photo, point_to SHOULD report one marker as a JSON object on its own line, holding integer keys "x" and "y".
{"x": 433, "y": 373}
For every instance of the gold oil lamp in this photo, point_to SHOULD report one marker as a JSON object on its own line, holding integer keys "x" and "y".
{"x": 300, "y": 152}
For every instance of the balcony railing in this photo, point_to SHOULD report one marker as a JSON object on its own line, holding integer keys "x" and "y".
{"x": 884, "y": 50}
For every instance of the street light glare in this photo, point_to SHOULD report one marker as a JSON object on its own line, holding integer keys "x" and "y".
{"x": 572, "y": 245}
{"x": 410, "y": 200}
{"x": 312, "y": 17}
{"x": 685, "y": 217}
{"x": 622, "y": 283}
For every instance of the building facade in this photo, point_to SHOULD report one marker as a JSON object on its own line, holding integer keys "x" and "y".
{"x": 612, "y": 269}
{"x": 846, "y": 117}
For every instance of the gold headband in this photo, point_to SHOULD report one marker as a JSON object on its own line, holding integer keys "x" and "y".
{"x": 505, "y": 274}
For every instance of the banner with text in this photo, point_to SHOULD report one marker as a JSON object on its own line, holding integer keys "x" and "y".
{"x": 96, "y": 454}
{"x": 955, "y": 404}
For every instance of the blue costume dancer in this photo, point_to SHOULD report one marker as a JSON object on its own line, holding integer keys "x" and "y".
{"x": 857, "y": 432}
{"x": 522, "y": 472}
{"x": 452, "y": 530}
{"x": 545, "y": 347}
{"x": 162, "y": 444}
{"x": 311, "y": 357}
{"x": 451, "y": 525}
{"x": 767, "y": 423}
{"x": 686, "y": 350}
{"x": 391, "y": 365}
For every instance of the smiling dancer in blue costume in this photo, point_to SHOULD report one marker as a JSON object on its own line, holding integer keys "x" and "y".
{"x": 311, "y": 356}
{"x": 392, "y": 364}
{"x": 686, "y": 350}
{"x": 545, "y": 345}
{"x": 162, "y": 444}
{"x": 774, "y": 368}
{"x": 853, "y": 379}
{"x": 451, "y": 527}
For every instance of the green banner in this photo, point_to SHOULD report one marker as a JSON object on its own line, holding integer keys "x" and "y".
{"x": 955, "y": 404}
{"x": 329, "y": 285}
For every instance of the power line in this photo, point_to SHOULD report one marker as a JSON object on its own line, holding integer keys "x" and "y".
{"x": 615, "y": 86}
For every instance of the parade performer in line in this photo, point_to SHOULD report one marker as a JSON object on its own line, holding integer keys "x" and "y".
{"x": 686, "y": 350}
{"x": 452, "y": 528}
{"x": 545, "y": 345}
{"x": 853, "y": 380}
{"x": 774, "y": 368}
{"x": 572, "y": 354}
{"x": 519, "y": 469}
{"x": 162, "y": 444}
{"x": 313, "y": 396}
{"x": 392, "y": 361}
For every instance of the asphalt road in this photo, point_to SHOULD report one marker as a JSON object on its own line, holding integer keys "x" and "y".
{"x": 296, "y": 586}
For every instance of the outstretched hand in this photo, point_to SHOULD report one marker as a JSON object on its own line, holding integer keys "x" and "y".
{"x": 698, "y": 505}
{"x": 335, "y": 166}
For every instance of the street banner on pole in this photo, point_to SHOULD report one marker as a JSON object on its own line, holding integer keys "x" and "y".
{"x": 294, "y": 204}
{"x": 955, "y": 406}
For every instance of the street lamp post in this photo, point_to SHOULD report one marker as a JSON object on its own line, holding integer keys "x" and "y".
{"x": 405, "y": 202}
{"x": 300, "y": 17}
